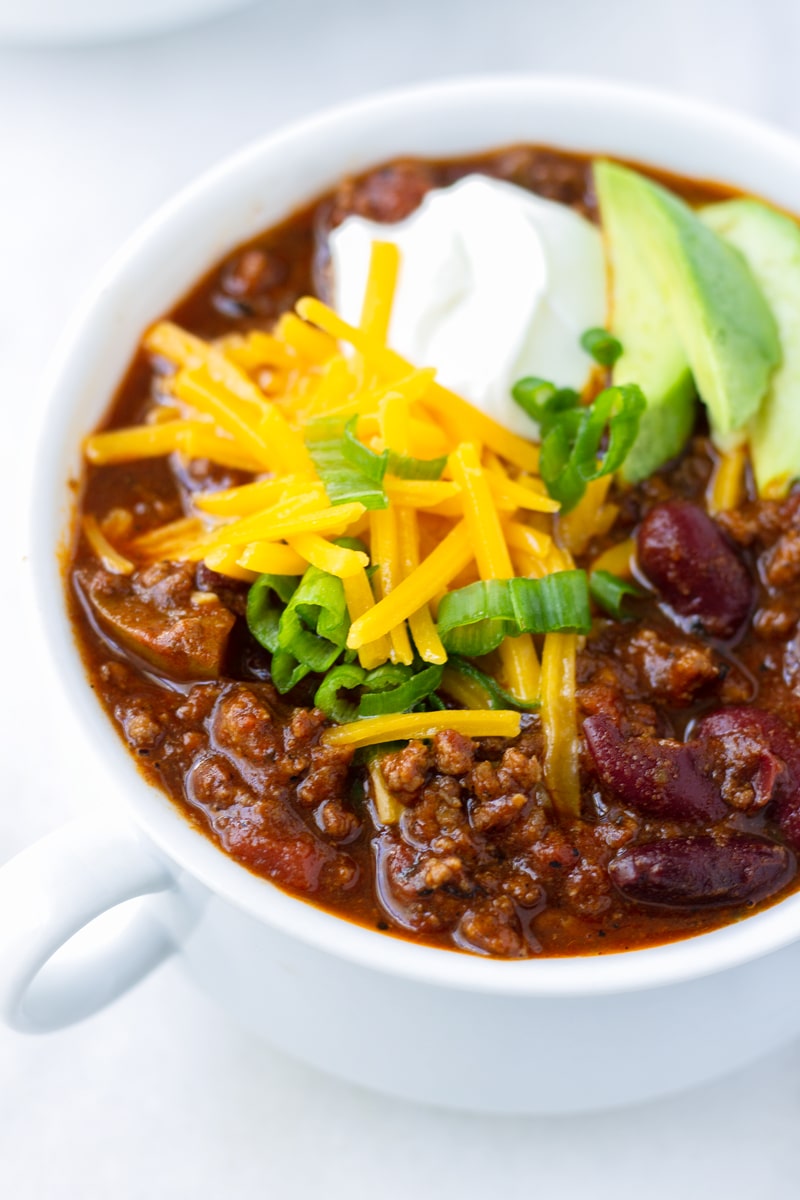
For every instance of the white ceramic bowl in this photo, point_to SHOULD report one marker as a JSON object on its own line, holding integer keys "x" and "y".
{"x": 448, "y": 1028}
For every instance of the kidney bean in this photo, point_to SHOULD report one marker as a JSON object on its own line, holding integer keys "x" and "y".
{"x": 762, "y": 745}
{"x": 695, "y": 569}
{"x": 702, "y": 871}
{"x": 656, "y": 776}
{"x": 389, "y": 193}
{"x": 253, "y": 272}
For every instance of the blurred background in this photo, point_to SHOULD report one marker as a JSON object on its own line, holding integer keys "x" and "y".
{"x": 161, "y": 1096}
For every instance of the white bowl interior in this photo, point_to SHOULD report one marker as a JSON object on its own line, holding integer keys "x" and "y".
{"x": 247, "y": 194}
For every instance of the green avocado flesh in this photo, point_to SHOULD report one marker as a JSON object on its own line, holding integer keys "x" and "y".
{"x": 652, "y": 353}
{"x": 685, "y": 305}
{"x": 771, "y": 244}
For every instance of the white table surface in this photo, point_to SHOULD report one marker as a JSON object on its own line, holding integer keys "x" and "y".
{"x": 162, "y": 1096}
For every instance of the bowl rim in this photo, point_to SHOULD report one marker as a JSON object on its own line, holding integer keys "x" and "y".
{"x": 178, "y": 840}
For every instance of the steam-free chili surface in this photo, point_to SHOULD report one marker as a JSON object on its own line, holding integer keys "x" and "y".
{"x": 478, "y": 860}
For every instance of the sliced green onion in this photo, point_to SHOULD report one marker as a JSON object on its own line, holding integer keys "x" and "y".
{"x": 609, "y": 592}
{"x": 387, "y": 691}
{"x": 388, "y": 675}
{"x": 495, "y": 696}
{"x": 616, "y": 411}
{"x": 344, "y": 678}
{"x": 367, "y": 461}
{"x": 571, "y": 453}
{"x": 392, "y": 688}
{"x": 559, "y": 473}
{"x": 344, "y": 479}
{"x": 375, "y": 466}
{"x": 315, "y": 623}
{"x": 604, "y": 348}
{"x": 543, "y": 401}
{"x": 286, "y": 671}
{"x": 352, "y": 543}
{"x": 405, "y": 466}
{"x": 573, "y": 433}
{"x": 475, "y": 619}
{"x": 263, "y": 613}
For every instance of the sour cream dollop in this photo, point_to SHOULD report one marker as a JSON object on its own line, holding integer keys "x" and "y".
{"x": 495, "y": 283}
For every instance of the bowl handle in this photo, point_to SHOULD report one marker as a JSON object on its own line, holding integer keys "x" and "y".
{"x": 48, "y": 893}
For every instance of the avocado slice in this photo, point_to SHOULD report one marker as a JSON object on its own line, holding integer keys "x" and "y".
{"x": 711, "y": 300}
{"x": 770, "y": 242}
{"x": 652, "y": 354}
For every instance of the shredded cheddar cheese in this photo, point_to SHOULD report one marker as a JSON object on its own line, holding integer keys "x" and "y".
{"x": 224, "y": 562}
{"x": 462, "y": 689}
{"x": 311, "y": 344}
{"x": 511, "y": 496}
{"x": 517, "y": 655}
{"x": 386, "y": 550}
{"x": 262, "y": 558}
{"x": 387, "y": 807}
{"x": 196, "y": 388}
{"x": 276, "y": 526}
{"x": 726, "y": 489}
{"x": 143, "y": 441}
{"x": 379, "y": 295}
{"x": 360, "y": 600}
{"x": 256, "y": 350}
{"x": 336, "y": 560}
{"x": 249, "y": 498}
{"x": 245, "y": 402}
{"x": 457, "y": 416}
{"x": 591, "y": 517}
{"x": 176, "y": 531}
{"x": 403, "y": 726}
{"x": 559, "y": 722}
{"x": 419, "y": 587}
{"x": 618, "y": 559}
{"x": 111, "y": 559}
{"x": 421, "y": 623}
{"x": 421, "y": 493}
